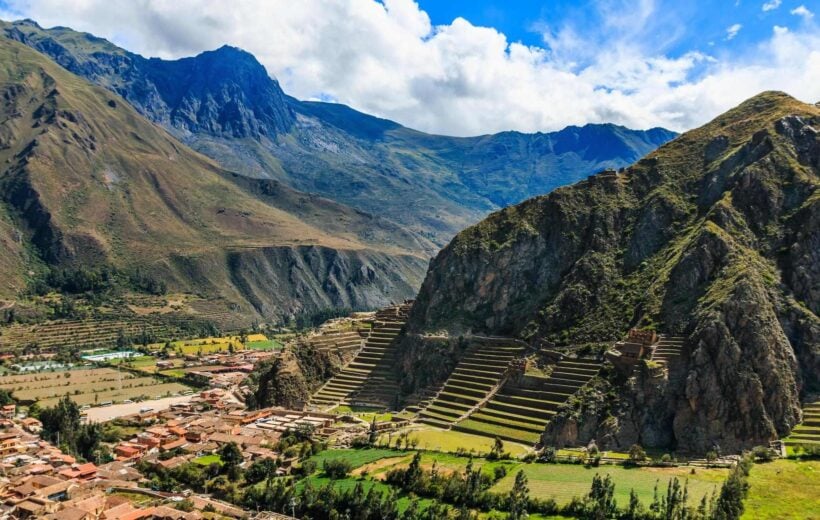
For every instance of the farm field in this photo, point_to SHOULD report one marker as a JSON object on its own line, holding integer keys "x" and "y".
{"x": 214, "y": 345}
{"x": 430, "y": 438}
{"x": 562, "y": 482}
{"x": 90, "y": 386}
{"x": 784, "y": 489}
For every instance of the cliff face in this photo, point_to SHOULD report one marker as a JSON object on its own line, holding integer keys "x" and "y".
{"x": 714, "y": 235}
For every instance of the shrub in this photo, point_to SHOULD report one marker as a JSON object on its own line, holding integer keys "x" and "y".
{"x": 336, "y": 468}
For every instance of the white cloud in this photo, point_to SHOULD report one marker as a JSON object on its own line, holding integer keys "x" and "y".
{"x": 772, "y": 4}
{"x": 802, "y": 11}
{"x": 387, "y": 59}
{"x": 732, "y": 31}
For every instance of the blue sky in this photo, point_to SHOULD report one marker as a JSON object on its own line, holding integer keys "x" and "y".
{"x": 464, "y": 67}
{"x": 675, "y": 28}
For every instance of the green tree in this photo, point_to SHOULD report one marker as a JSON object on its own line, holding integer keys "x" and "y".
{"x": 600, "y": 503}
{"x": 519, "y": 497}
{"x": 231, "y": 457}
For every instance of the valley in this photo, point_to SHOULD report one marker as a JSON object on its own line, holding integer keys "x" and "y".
{"x": 220, "y": 301}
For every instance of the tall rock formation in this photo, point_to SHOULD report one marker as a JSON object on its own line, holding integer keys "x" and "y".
{"x": 714, "y": 235}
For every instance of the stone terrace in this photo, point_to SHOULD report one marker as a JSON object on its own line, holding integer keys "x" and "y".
{"x": 477, "y": 375}
{"x": 519, "y": 413}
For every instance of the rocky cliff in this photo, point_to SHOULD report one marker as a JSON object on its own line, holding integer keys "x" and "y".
{"x": 714, "y": 236}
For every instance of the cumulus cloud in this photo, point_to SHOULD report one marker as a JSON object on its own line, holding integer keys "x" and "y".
{"x": 803, "y": 11}
{"x": 772, "y": 5}
{"x": 388, "y": 59}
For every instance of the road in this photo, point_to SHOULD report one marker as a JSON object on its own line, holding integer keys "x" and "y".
{"x": 106, "y": 413}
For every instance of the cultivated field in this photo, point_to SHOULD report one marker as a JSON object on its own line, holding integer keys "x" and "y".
{"x": 92, "y": 386}
{"x": 451, "y": 441}
{"x": 562, "y": 482}
{"x": 784, "y": 489}
{"x": 214, "y": 345}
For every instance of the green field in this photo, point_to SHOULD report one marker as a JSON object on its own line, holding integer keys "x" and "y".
{"x": 207, "y": 460}
{"x": 318, "y": 481}
{"x": 355, "y": 457}
{"x": 269, "y": 344}
{"x": 562, "y": 482}
{"x": 451, "y": 441}
{"x": 784, "y": 489}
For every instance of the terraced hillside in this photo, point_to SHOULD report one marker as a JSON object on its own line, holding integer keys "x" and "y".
{"x": 345, "y": 343}
{"x": 84, "y": 333}
{"x": 518, "y": 413}
{"x": 370, "y": 379}
{"x": 807, "y": 432}
{"x": 669, "y": 349}
{"x": 477, "y": 376}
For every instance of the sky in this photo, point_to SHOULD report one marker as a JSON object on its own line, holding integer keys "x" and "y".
{"x": 471, "y": 67}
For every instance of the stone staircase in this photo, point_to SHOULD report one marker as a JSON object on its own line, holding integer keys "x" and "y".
{"x": 807, "y": 432}
{"x": 478, "y": 374}
{"x": 370, "y": 378}
{"x": 669, "y": 349}
{"x": 519, "y": 414}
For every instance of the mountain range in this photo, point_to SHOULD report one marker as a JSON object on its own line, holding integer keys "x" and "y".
{"x": 315, "y": 205}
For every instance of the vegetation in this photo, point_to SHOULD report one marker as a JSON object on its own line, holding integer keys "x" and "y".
{"x": 62, "y": 427}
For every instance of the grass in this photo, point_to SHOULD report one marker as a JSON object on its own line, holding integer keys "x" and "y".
{"x": 268, "y": 344}
{"x": 494, "y": 429}
{"x": 356, "y": 458}
{"x": 346, "y": 484}
{"x": 784, "y": 489}
{"x": 562, "y": 482}
{"x": 207, "y": 460}
{"x": 450, "y": 441}
{"x": 364, "y": 413}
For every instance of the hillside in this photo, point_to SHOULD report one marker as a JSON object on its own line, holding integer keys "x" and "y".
{"x": 714, "y": 236}
{"x": 223, "y": 104}
{"x": 86, "y": 181}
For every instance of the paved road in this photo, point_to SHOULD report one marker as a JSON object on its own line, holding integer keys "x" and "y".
{"x": 106, "y": 413}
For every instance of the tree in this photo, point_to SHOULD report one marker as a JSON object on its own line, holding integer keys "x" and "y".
{"x": 600, "y": 500}
{"x": 336, "y": 468}
{"x": 519, "y": 497}
{"x": 5, "y": 397}
{"x": 497, "y": 451}
{"x": 231, "y": 457}
{"x": 636, "y": 453}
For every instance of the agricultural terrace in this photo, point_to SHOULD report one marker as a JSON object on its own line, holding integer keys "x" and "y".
{"x": 87, "y": 386}
{"x": 215, "y": 345}
{"x": 784, "y": 490}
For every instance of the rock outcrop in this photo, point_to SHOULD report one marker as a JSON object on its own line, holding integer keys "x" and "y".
{"x": 713, "y": 236}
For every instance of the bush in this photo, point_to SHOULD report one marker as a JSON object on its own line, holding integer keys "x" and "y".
{"x": 763, "y": 454}
{"x": 336, "y": 468}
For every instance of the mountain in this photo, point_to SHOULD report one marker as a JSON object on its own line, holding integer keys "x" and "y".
{"x": 223, "y": 104}
{"x": 86, "y": 181}
{"x": 714, "y": 236}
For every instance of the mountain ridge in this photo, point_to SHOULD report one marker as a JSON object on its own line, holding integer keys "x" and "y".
{"x": 434, "y": 185}
{"x": 714, "y": 227}
{"x": 87, "y": 182}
